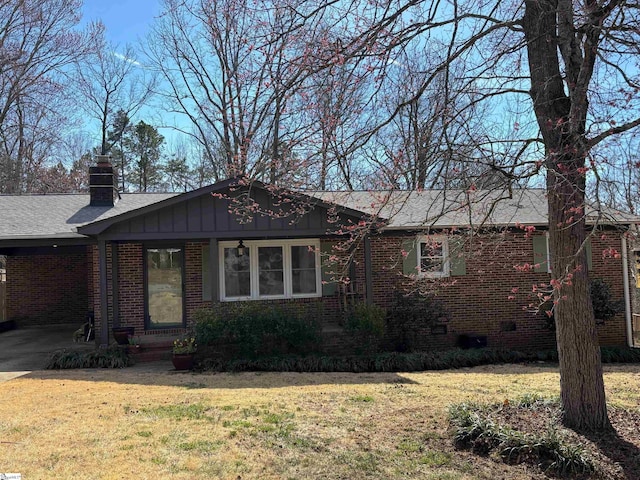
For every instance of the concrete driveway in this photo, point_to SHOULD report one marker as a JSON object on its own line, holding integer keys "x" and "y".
{"x": 26, "y": 349}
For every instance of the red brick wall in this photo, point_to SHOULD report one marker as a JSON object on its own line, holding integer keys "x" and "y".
{"x": 90, "y": 287}
{"x": 612, "y": 332}
{"x": 193, "y": 279}
{"x": 479, "y": 303}
{"x": 46, "y": 289}
{"x": 131, "y": 286}
{"x": 94, "y": 284}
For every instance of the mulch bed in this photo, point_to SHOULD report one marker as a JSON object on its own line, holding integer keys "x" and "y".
{"x": 615, "y": 455}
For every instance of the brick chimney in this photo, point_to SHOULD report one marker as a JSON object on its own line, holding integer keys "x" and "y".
{"x": 103, "y": 183}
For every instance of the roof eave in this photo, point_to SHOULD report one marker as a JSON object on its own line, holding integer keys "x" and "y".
{"x": 620, "y": 223}
{"x": 60, "y": 239}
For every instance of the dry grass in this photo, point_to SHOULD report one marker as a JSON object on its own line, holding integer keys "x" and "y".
{"x": 145, "y": 423}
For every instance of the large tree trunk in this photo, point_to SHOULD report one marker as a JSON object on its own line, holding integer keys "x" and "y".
{"x": 581, "y": 383}
{"x": 562, "y": 119}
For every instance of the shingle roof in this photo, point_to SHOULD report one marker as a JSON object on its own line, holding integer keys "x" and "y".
{"x": 58, "y": 215}
{"x": 458, "y": 208}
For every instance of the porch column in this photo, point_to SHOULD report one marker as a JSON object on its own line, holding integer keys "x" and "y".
{"x": 114, "y": 285}
{"x": 213, "y": 269}
{"x": 368, "y": 274}
{"x": 104, "y": 294}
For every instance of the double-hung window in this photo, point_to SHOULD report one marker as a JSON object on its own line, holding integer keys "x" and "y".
{"x": 270, "y": 269}
{"x": 433, "y": 256}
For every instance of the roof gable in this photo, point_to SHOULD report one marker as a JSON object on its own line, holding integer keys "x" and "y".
{"x": 232, "y": 208}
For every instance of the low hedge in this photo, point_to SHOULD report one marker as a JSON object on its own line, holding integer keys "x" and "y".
{"x": 400, "y": 362}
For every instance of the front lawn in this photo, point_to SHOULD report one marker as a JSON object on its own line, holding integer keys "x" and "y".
{"x": 147, "y": 422}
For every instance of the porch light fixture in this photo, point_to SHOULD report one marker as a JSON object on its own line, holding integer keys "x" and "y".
{"x": 241, "y": 249}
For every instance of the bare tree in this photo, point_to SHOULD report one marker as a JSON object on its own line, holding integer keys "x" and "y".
{"x": 233, "y": 70}
{"x": 113, "y": 86}
{"x": 564, "y": 42}
{"x": 616, "y": 178}
{"x": 39, "y": 40}
{"x": 432, "y": 140}
{"x": 336, "y": 100}
{"x": 570, "y": 65}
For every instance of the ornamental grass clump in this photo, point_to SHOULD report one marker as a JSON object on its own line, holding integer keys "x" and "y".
{"x": 107, "y": 358}
{"x": 482, "y": 429}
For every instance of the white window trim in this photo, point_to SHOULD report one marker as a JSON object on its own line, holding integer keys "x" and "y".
{"x": 286, "y": 245}
{"x": 446, "y": 262}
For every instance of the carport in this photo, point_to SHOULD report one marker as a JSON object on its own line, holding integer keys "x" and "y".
{"x": 25, "y": 349}
{"x": 47, "y": 297}
{"x": 47, "y": 285}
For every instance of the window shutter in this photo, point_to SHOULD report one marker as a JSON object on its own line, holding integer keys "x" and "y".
{"x": 540, "y": 259}
{"x": 410, "y": 262}
{"x": 206, "y": 276}
{"x": 329, "y": 283}
{"x": 587, "y": 251}
{"x": 457, "y": 262}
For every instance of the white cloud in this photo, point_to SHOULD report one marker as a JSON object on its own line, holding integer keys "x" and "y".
{"x": 126, "y": 59}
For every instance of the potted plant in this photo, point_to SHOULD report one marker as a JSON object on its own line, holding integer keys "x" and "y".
{"x": 183, "y": 350}
{"x": 134, "y": 345}
{"x": 121, "y": 334}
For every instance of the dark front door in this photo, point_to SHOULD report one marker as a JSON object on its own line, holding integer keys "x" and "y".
{"x": 165, "y": 287}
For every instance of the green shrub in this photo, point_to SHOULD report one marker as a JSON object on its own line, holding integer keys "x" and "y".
{"x": 604, "y": 308}
{"x": 113, "y": 357}
{"x": 366, "y": 324}
{"x": 250, "y": 330}
{"x": 411, "y": 314}
{"x": 620, "y": 355}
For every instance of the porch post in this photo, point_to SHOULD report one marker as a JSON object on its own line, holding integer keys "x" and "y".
{"x": 114, "y": 285}
{"x": 104, "y": 297}
{"x": 213, "y": 269}
{"x": 368, "y": 278}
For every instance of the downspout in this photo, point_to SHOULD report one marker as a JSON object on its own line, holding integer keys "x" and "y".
{"x": 627, "y": 295}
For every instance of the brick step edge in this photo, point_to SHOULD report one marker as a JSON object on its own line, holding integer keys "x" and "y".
{"x": 148, "y": 355}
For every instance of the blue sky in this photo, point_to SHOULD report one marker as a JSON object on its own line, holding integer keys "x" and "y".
{"x": 126, "y": 21}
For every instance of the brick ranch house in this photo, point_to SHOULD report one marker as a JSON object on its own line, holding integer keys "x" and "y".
{"x": 151, "y": 260}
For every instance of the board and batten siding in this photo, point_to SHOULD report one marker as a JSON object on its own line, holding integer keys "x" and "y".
{"x": 209, "y": 216}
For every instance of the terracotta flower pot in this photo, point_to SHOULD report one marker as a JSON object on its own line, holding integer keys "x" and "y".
{"x": 182, "y": 361}
{"x": 122, "y": 334}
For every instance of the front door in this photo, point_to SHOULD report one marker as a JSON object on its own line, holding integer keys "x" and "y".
{"x": 165, "y": 287}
